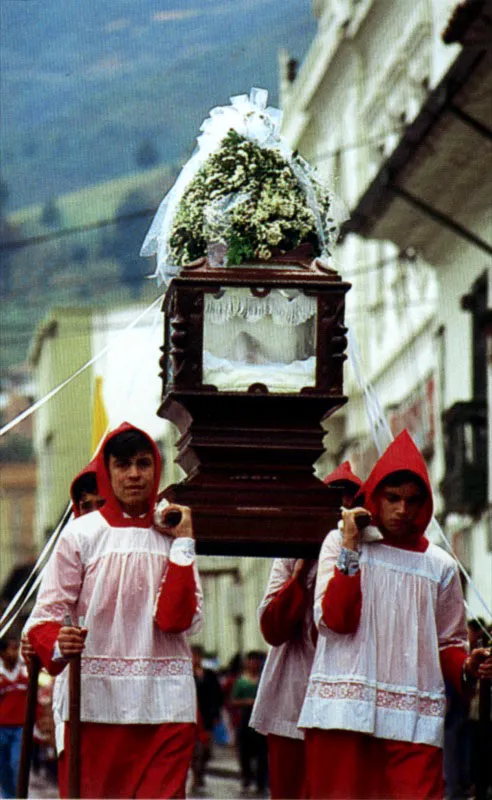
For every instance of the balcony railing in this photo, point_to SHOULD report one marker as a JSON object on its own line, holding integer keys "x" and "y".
{"x": 464, "y": 486}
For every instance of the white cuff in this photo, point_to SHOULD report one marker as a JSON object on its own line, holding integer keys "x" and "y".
{"x": 182, "y": 551}
{"x": 56, "y": 655}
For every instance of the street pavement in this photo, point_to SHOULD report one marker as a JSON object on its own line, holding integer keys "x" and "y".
{"x": 222, "y": 781}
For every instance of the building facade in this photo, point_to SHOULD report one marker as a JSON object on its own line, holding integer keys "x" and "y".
{"x": 390, "y": 105}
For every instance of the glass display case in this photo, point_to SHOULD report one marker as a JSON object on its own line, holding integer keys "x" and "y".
{"x": 252, "y": 363}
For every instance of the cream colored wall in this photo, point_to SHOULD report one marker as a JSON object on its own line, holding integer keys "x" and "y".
{"x": 229, "y": 596}
{"x": 17, "y": 500}
{"x": 62, "y": 427}
{"x": 6, "y": 549}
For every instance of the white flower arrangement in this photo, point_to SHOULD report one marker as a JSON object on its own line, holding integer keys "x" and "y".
{"x": 264, "y": 209}
{"x": 243, "y": 193}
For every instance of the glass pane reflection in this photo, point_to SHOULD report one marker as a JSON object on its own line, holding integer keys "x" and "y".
{"x": 249, "y": 339}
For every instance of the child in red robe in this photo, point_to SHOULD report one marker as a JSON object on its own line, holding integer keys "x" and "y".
{"x": 13, "y": 697}
{"x": 138, "y": 592}
{"x": 84, "y": 492}
{"x": 286, "y": 621}
{"x": 391, "y": 622}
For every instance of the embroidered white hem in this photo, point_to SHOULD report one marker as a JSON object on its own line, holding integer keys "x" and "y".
{"x": 277, "y": 727}
{"x": 384, "y": 723}
{"x": 130, "y": 700}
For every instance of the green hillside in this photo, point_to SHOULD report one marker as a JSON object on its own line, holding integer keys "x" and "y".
{"x": 73, "y": 257}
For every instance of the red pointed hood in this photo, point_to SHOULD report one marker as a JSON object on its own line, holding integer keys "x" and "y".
{"x": 402, "y": 454}
{"x": 91, "y": 467}
{"x": 343, "y": 473}
{"x": 112, "y": 511}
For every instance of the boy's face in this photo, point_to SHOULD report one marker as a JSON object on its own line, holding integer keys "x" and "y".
{"x": 89, "y": 502}
{"x": 10, "y": 655}
{"x": 132, "y": 480}
{"x": 398, "y": 506}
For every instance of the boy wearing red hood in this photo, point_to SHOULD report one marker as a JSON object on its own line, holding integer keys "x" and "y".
{"x": 138, "y": 592}
{"x": 286, "y": 621}
{"x": 390, "y": 614}
{"x": 84, "y": 492}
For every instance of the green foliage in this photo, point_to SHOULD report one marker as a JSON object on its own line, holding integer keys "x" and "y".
{"x": 248, "y": 198}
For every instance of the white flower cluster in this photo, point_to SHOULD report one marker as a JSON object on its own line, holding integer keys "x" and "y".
{"x": 244, "y": 191}
{"x": 248, "y": 198}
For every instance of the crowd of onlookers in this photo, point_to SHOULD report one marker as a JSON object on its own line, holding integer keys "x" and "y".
{"x": 225, "y": 702}
{"x": 462, "y": 728}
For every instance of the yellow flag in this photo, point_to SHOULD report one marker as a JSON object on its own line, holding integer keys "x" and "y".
{"x": 100, "y": 420}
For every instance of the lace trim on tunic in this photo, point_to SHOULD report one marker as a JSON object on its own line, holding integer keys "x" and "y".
{"x": 136, "y": 667}
{"x": 419, "y": 703}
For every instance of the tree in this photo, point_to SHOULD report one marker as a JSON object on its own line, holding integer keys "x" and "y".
{"x": 147, "y": 155}
{"x": 50, "y": 215}
{"x": 7, "y": 233}
{"x": 128, "y": 237}
{"x": 4, "y": 196}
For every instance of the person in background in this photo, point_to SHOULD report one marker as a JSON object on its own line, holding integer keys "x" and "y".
{"x": 85, "y": 499}
{"x": 210, "y": 701}
{"x": 227, "y": 680}
{"x": 286, "y": 621}
{"x": 13, "y": 697}
{"x": 479, "y": 635}
{"x": 84, "y": 493}
{"x": 345, "y": 479}
{"x": 252, "y": 746}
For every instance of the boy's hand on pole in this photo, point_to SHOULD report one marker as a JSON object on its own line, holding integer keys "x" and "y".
{"x": 479, "y": 663}
{"x": 71, "y": 641}
{"x": 173, "y": 520}
{"x": 27, "y": 650}
{"x": 353, "y": 520}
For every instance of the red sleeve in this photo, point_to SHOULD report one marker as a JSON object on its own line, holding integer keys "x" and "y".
{"x": 176, "y": 604}
{"x": 452, "y": 659}
{"x": 284, "y": 613}
{"x": 43, "y": 638}
{"x": 342, "y": 602}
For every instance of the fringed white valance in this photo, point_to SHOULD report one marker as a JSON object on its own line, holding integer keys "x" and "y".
{"x": 285, "y": 308}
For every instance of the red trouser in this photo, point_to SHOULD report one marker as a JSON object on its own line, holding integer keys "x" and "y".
{"x": 123, "y": 761}
{"x": 287, "y": 768}
{"x": 347, "y": 765}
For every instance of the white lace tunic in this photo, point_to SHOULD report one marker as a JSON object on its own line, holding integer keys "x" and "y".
{"x": 283, "y": 682}
{"x": 386, "y": 678}
{"x": 132, "y": 672}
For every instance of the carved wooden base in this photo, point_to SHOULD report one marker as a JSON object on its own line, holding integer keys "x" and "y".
{"x": 250, "y": 479}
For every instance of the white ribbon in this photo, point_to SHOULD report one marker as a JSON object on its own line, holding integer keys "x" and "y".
{"x": 250, "y": 117}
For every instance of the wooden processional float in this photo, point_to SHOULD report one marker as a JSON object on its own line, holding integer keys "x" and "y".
{"x": 252, "y": 365}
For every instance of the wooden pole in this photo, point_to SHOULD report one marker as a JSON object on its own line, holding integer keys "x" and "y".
{"x": 74, "y": 731}
{"x": 484, "y": 739}
{"x": 27, "y": 732}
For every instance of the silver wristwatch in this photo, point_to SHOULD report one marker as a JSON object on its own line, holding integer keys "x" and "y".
{"x": 348, "y": 561}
